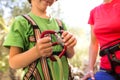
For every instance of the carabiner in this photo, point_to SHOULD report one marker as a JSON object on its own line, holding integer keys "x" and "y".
{"x": 59, "y": 42}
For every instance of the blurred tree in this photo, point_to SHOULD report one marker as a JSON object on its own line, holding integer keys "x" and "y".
{"x": 13, "y": 8}
{"x": 21, "y": 9}
{"x": 3, "y": 51}
{"x": 1, "y": 23}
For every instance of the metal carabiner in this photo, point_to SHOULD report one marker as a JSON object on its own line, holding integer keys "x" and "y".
{"x": 59, "y": 42}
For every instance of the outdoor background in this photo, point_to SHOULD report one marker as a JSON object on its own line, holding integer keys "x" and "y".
{"x": 74, "y": 13}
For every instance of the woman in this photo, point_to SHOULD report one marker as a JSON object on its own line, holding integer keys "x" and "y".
{"x": 105, "y": 34}
{"x": 23, "y": 52}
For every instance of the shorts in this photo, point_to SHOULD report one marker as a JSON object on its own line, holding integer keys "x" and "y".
{"x": 103, "y": 75}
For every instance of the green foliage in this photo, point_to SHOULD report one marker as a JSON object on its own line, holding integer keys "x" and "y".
{"x": 3, "y": 53}
{"x": 2, "y": 24}
{"x": 17, "y": 10}
{"x": 16, "y": 7}
{"x": 80, "y": 59}
{"x": 4, "y": 62}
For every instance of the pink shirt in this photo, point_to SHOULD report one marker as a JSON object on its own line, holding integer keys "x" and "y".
{"x": 106, "y": 21}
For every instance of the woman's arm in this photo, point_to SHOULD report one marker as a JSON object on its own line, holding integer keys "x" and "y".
{"x": 93, "y": 51}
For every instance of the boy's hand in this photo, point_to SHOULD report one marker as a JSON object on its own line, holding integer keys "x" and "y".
{"x": 44, "y": 47}
{"x": 69, "y": 40}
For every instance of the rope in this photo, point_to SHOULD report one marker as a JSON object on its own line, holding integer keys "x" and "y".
{"x": 60, "y": 68}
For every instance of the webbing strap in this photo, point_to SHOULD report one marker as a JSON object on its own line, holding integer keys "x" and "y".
{"x": 60, "y": 24}
{"x": 42, "y": 59}
{"x": 111, "y": 63}
{"x": 35, "y": 73}
{"x": 110, "y": 52}
{"x": 32, "y": 71}
{"x": 29, "y": 19}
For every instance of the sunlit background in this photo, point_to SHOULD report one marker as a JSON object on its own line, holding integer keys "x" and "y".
{"x": 74, "y": 13}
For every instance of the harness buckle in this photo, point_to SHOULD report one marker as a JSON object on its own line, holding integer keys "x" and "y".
{"x": 111, "y": 49}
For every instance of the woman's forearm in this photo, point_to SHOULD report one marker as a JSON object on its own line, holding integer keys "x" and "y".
{"x": 93, "y": 52}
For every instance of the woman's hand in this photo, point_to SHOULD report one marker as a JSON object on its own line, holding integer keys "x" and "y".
{"x": 89, "y": 74}
{"x": 44, "y": 47}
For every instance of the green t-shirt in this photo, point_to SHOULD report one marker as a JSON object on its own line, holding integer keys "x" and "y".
{"x": 20, "y": 32}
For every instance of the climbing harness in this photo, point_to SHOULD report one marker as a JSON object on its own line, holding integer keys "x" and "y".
{"x": 110, "y": 52}
{"x": 32, "y": 70}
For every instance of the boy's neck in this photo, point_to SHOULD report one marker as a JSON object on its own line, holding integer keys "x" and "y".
{"x": 42, "y": 14}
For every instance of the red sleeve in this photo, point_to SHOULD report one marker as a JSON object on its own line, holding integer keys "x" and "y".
{"x": 91, "y": 17}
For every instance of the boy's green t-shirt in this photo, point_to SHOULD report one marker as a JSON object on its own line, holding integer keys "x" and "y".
{"x": 20, "y": 32}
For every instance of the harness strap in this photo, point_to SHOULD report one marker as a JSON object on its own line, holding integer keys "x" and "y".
{"x": 112, "y": 71}
{"x": 32, "y": 70}
{"x": 60, "y": 24}
{"x": 42, "y": 59}
{"x": 112, "y": 49}
{"x": 29, "y": 19}
{"x": 110, "y": 52}
{"x": 112, "y": 64}
{"x": 35, "y": 73}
